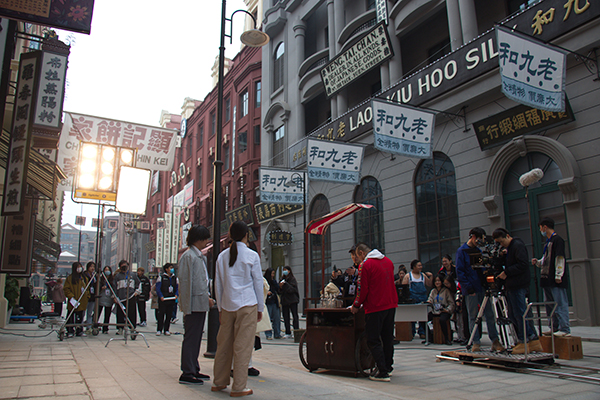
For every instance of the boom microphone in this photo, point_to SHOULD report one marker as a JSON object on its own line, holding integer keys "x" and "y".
{"x": 531, "y": 177}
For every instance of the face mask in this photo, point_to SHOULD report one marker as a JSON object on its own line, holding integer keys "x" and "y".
{"x": 285, "y": 272}
{"x": 172, "y": 270}
{"x": 106, "y": 272}
{"x": 543, "y": 233}
{"x": 79, "y": 269}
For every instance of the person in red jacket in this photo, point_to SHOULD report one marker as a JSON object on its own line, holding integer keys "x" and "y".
{"x": 376, "y": 292}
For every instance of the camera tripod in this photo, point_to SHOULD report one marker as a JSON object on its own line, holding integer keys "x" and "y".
{"x": 506, "y": 330}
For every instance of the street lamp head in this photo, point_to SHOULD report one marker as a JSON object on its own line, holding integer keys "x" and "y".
{"x": 254, "y": 38}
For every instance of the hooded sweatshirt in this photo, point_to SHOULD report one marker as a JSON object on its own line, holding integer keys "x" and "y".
{"x": 376, "y": 290}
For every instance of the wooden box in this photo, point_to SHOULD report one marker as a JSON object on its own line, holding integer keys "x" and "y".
{"x": 404, "y": 331}
{"x": 566, "y": 348}
{"x": 438, "y": 336}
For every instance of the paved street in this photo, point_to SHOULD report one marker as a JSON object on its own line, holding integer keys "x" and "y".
{"x": 41, "y": 367}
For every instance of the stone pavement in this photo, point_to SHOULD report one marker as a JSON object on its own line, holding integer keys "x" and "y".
{"x": 39, "y": 366}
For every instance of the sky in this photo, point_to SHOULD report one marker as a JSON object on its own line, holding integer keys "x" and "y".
{"x": 142, "y": 57}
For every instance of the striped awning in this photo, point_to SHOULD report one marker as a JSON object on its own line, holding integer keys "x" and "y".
{"x": 319, "y": 226}
{"x": 42, "y": 174}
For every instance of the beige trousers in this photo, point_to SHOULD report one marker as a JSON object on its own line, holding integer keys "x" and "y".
{"x": 235, "y": 340}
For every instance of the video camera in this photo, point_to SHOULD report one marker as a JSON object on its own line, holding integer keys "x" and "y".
{"x": 489, "y": 261}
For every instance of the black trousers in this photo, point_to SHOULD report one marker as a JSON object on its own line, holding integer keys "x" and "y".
{"x": 165, "y": 309}
{"x": 58, "y": 308}
{"x": 380, "y": 338}
{"x": 107, "y": 312}
{"x": 131, "y": 313}
{"x": 75, "y": 318}
{"x": 142, "y": 310}
{"x": 293, "y": 308}
{"x": 193, "y": 326}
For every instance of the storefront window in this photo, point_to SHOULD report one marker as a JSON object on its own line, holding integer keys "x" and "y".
{"x": 368, "y": 223}
{"x": 437, "y": 211}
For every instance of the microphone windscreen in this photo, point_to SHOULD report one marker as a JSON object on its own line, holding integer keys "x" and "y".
{"x": 531, "y": 177}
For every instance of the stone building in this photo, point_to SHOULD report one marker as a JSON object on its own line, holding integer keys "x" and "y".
{"x": 444, "y": 58}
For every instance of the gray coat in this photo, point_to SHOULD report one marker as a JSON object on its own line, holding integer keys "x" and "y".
{"x": 193, "y": 284}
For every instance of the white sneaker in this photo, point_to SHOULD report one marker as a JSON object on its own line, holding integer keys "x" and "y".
{"x": 167, "y": 333}
{"x": 561, "y": 334}
{"x": 547, "y": 332}
{"x": 158, "y": 333}
{"x": 269, "y": 337}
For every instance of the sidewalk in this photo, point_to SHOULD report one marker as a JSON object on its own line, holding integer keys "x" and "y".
{"x": 42, "y": 367}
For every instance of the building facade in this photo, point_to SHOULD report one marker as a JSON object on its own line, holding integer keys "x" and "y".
{"x": 444, "y": 57}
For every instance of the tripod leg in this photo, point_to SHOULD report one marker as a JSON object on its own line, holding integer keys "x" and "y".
{"x": 477, "y": 322}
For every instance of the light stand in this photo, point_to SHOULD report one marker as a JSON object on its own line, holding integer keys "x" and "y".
{"x": 252, "y": 38}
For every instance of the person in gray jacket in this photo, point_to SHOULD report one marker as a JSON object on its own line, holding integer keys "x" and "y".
{"x": 194, "y": 302}
{"x": 128, "y": 288}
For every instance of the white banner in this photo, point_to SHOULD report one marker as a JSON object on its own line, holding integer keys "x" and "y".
{"x": 401, "y": 129}
{"x": 167, "y": 244}
{"x": 334, "y": 161}
{"x": 281, "y": 186}
{"x": 155, "y": 146}
{"x": 159, "y": 242}
{"x": 176, "y": 234}
{"x": 532, "y": 73}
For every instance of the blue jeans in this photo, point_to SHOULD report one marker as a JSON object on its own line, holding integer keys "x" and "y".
{"x": 515, "y": 300}
{"x": 560, "y": 319}
{"x": 275, "y": 317}
{"x": 472, "y": 302}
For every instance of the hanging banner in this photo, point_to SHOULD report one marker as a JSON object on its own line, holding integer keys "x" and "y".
{"x": 282, "y": 186}
{"x": 334, "y": 162}
{"x": 155, "y": 146}
{"x": 168, "y": 234}
{"x": 160, "y": 229}
{"x": 176, "y": 236}
{"x": 20, "y": 138}
{"x": 403, "y": 130}
{"x": 70, "y": 15}
{"x": 17, "y": 242}
{"x": 532, "y": 73}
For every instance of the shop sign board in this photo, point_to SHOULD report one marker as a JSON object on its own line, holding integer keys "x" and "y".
{"x": 18, "y": 242}
{"x": 369, "y": 51}
{"x": 282, "y": 186}
{"x": 401, "y": 129}
{"x": 280, "y": 238}
{"x": 520, "y": 120}
{"x": 267, "y": 211}
{"x": 334, "y": 162}
{"x": 243, "y": 213}
{"x": 70, "y": 15}
{"x": 466, "y": 63}
{"x": 532, "y": 74}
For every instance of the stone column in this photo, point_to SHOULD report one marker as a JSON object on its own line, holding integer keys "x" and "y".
{"x": 468, "y": 19}
{"x": 299, "y": 35}
{"x": 332, "y": 50}
{"x": 454, "y": 24}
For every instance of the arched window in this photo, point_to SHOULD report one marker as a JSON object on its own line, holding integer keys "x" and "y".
{"x": 368, "y": 223}
{"x": 544, "y": 199}
{"x": 320, "y": 246}
{"x": 278, "y": 70}
{"x": 437, "y": 211}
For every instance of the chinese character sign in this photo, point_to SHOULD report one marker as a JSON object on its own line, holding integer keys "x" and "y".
{"x": 20, "y": 137}
{"x": 176, "y": 234}
{"x": 403, "y": 130}
{"x": 160, "y": 235}
{"x": 48, "y": 108}
{"x": 282, "y": 186}
{"x": 334, "y": 162}
{"x": 18, "y": 241}
{"x": 155, "y": 145}
{"x": 532, "y": 74}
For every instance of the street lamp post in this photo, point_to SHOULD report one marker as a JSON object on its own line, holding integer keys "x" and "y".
{"x": 251, "y": 38}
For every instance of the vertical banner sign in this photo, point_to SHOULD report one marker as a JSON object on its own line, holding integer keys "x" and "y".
{"x": 334, "y": 162}
{"x": 167, "y": 243}
{"x": 402, "y": 129}
{"x": 281, "y": 186}
{"x": 176, "y": 233}
{"x": 20, "y": 138}
{"x": 532, "y": 73}
{"x": 80, "y": 220}
{"x": 188, "y": 193}
{"x": 160, "y": 229}
{"x": 185, "y": 229}
{"x": 18, "y": 242}
{"x": 48, "y": 108}
{"x": 381, "y": 8}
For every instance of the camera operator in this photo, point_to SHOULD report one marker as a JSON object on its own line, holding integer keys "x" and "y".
{"x": 470, "y": 283}
{"x": 516, "y": 276}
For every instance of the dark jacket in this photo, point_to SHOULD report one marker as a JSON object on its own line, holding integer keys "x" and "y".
{"x": 145, "y": 295}
{"x": 516, "y": 266}
{"x": 274, "y": 289}
{"x": 167, "y": 287}
{"x": 469, "y": 279}
{"x": 289, "y": 291}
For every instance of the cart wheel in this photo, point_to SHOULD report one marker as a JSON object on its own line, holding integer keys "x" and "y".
{"x": 95, "y": 331}
{"x": 365, "y": 364}
{"x": 302, "y": 351}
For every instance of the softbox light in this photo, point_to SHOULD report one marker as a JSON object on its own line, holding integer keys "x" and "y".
{"x": 132, "y": 190}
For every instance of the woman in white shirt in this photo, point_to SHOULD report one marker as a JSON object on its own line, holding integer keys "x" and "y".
{"x": 239, "y": 295}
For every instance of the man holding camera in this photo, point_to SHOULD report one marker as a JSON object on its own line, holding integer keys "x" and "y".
{"x": 516, "y": 276}
{"x": 470, "y": 283}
